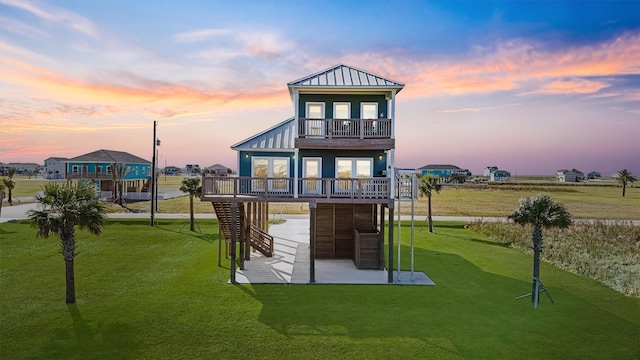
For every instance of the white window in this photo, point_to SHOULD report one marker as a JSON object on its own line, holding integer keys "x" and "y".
{"x": 342, "y": 110}
{"x": 74, "y": 169}
{"x": 349, "y": 168}
{"x": 369, "y": 111}
{"x": 313, "y": 126}
{"x": 274, "y": 170}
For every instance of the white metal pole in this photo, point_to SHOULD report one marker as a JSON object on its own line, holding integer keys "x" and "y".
{"x": 399, "y": 212}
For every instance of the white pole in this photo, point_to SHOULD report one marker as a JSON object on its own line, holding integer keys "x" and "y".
{"x": 399, "y": 217}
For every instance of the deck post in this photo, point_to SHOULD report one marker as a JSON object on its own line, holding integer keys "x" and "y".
{"x": 381, "y": 246}
{"x": 243, "y": 236}
{"x": 312, "y": 241}
{"x": 247, "y": 253}
{"x": 234, "y": 230}
{"x": 390, "y": 269}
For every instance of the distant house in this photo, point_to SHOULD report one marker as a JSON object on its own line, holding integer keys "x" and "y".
{"x": 594, "y": 175}
{"x": 446, "y": 173}
{"x": 217, "y": 170}
{"x": 172, "y": 170}
{"x": 572, "y": 175}
{"x": 54, "y": 168}
{"x": 500, "y": 175}
{"x": 489, "y": 169}
{"x": 96, "y": 168}
{"x": 22, "y": 168}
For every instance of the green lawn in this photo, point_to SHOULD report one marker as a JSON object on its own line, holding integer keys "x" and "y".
{"x": 154, "y": 293}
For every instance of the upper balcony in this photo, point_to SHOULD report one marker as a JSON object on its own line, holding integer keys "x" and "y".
{"x": 226, "y": 188}
{"x": 89, "y": 175}
{"x": 352, "y": 134}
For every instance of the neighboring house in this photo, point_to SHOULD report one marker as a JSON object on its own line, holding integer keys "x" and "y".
{"x": 4, "y": 169}
{"x": 446, "y": 173}
{"x": 488, "y": 170}
{"x": 96, "y": 167}
{"x": 594, "y": 175}
{"x": 217, "y": 170}
{"x": 572, "y": 175}
{"x": 336, "y": 154}
{"x": 54, "y": 168}
{"x": 191, "y": 169}
{"x": 23, "y": 168}
{"x": 172, "y": 170}
{"x": 500, "y": 175}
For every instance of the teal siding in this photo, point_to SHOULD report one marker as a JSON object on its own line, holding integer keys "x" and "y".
{"x": 355, "y": 101}
{"x": 245, "y": 160}
{"x": 137, "y": 172}
{"x": 329, "y": 160}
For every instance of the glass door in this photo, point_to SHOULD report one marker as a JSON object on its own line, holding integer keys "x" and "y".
{"x": 312, "y": 169}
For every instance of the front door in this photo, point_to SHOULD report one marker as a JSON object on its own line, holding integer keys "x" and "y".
{"x": 312, "y": 169}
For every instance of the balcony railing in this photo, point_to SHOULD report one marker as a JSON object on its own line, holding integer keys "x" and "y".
{"x": 355, "y": 188}
{"x": 345, "y": 128}
{"x": 89, "y": 175}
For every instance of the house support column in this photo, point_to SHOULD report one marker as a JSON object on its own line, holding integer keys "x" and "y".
{"x": 381, "y": 235}
{"x": 312, "y": 242}
{"x": 250, "y": 217}
{"x": 243, "y": 238}
{"x": 390, "y": 249}
{"x": 234, "y": 235}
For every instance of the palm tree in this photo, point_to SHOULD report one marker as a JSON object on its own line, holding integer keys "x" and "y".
{"x": 427, "y": 185}
{"x": 118, "y": 172}
{"x": 540, "y": 211}
{"x": 62, "y": 207}
{"x": 193, "y": 188}
{"x": 624, "y": 177}
{"x": 9, "y": 185}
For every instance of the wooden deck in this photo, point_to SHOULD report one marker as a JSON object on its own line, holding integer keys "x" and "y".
{"x": 364, "y": 190}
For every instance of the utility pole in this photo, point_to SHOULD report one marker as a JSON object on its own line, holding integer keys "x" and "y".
{"x": 153, "y": 174}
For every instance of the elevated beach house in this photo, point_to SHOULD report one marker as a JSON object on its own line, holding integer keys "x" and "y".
{"x": 97, "y": 167}
{"x": 335, "y": 153}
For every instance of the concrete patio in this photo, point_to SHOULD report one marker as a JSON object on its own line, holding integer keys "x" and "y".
{"x": 290, "y": 263}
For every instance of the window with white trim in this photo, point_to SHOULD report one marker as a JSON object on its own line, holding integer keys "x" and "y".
{"x": 349, "y": 168}
{"x": 314, "y": 126}
{"x": 274, "y": 170}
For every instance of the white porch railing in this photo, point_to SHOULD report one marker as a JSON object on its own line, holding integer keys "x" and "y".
{"x": 357, "y": 188}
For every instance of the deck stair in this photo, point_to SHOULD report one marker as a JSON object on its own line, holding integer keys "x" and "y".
{"x": 258, "y": 239}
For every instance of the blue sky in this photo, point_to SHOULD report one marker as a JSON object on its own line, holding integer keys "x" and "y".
{"x": 531, "y": 87}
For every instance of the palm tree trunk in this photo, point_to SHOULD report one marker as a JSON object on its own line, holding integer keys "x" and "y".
{"x": 1, "y": 199}
{"x": 70, "y": 281}
{"x": 68, "y": 238}
{"x": 10, "y": 201}
{"x": 624, "y": 188}
{"x": 193, "y": 220}
{"x": 429, "y": 216}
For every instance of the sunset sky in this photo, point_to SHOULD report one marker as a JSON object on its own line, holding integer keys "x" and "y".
{"x": 530, "y": 87}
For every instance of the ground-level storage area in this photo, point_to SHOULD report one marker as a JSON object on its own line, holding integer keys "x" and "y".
{"x": 348, "y": 231}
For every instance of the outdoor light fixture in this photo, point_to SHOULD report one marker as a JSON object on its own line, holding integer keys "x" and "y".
{"x": 380, "y": 157}
{"x": 246, "y": 156}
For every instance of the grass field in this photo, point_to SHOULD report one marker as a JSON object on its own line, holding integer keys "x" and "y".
{"x": 584, "y": 201}
{"x": 154, "y": 293}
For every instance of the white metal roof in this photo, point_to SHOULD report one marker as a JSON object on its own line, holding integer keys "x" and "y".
{"x": 277, "y": 138}
{"x": 345, "y": 76}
